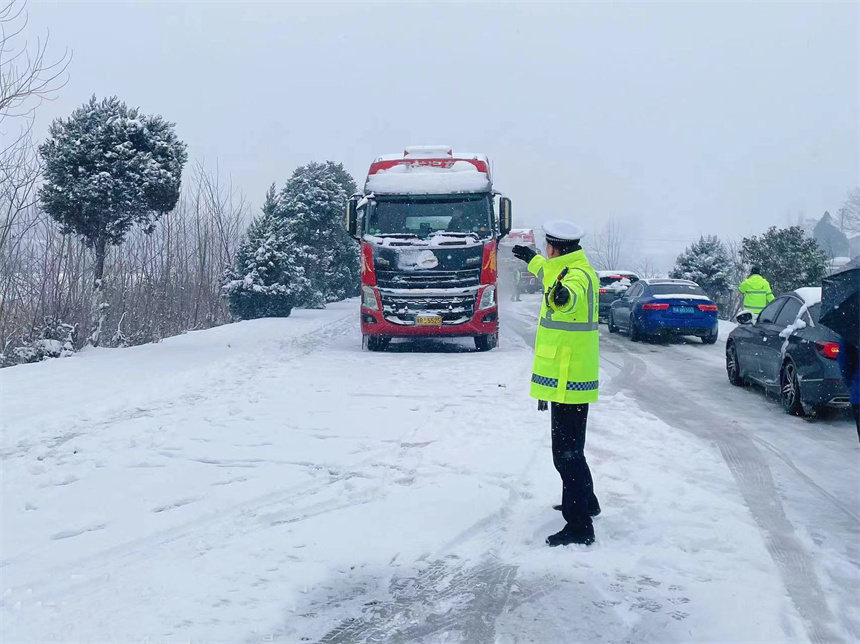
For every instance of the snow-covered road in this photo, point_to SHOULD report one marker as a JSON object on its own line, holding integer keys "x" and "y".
{"x": 267, "y": 481}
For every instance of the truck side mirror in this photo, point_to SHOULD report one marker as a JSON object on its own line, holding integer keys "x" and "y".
{"x": 352, "y": 216}
{"x": 504, "y": 216}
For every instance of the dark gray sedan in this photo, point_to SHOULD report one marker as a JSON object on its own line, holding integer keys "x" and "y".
{"x": 788, "y": 352}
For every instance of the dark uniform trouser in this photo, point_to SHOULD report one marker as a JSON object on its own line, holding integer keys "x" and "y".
{"x": 578, "y": 501}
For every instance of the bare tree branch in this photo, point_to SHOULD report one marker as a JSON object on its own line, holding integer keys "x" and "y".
{"x": 27, "y": 75}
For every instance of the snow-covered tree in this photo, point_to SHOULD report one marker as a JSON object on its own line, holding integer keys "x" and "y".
{"x": 311, "y": 206}
{"x": 787, "y": 257}
{"x": 298, "y": 252}
{"x": 266, "y": 278}
{"x": 707, "y": 263}
{"x": 107, "y": 168}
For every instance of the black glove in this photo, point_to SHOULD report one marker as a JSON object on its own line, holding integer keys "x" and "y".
{"x": 524, "y": 253}
{"x": 543, "y": 405}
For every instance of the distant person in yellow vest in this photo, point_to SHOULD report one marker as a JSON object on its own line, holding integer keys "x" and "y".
{"x": 566, "y": 366}
{"x": 756, "y": 291}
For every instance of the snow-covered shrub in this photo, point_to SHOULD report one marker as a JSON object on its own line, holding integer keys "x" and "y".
{"x": 707, "y": 263}
{"x": 52, "y": 339}
{"x": 265, "y": 278}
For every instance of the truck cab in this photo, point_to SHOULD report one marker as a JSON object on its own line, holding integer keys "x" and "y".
{"x": 429, "y": 223}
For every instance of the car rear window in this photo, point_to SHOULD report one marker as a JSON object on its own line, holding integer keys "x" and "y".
{"x": 606, "y": 281}
{"x": 676, "y": 289}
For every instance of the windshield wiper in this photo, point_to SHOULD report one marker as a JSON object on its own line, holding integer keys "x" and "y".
{"x": 401, "y": 235}
{"x": 452, "y": 233}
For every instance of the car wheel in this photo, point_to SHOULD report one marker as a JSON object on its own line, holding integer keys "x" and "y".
{"x": 733, "y": 367}
{"x": 712, "y": 337}
{"x": 789, "y": 392}
{"x": 611, "y": 323}
{"x": 635, "y": 333}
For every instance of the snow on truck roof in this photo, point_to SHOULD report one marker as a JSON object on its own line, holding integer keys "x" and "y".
{"x": 429, "y": 170}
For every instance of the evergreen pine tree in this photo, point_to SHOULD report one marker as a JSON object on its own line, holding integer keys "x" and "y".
{"x": 107, "y": 168}
{"x": 788, "y": 258}
{"x": 311, "y": 207}
{"x": 707, "y": 263}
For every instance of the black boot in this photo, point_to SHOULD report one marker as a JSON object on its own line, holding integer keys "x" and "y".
{"x": 583, "y": 535}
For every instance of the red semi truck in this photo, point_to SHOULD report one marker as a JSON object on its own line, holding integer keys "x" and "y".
{"x": 429, "y": 230}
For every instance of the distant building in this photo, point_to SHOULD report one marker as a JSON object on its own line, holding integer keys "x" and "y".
{"x": 833, "y": 241}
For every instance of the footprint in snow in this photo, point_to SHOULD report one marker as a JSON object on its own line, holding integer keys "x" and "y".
{"x": 67, "y": 534}
{"x": 175, "y": 504}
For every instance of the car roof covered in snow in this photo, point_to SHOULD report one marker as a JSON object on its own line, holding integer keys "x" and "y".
{"x": 810, "y": 295}
{"x": 666, "y": 280}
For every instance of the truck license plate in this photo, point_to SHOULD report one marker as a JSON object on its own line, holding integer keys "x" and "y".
{"x": 428, "y": 320}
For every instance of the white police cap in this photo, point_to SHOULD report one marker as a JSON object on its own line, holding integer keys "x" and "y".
{"x": 563, "y": 230}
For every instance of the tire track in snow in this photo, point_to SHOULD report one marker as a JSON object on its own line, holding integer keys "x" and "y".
{"x": 754, "y": 480}
{"x": 450, "y": 597}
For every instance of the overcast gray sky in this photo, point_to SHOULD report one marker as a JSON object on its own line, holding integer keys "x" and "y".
{"x": 678, "y": 118}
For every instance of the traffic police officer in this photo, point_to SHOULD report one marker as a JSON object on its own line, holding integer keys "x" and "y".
{"x": 565, "y": 371}
{"x": 756, "y": 291}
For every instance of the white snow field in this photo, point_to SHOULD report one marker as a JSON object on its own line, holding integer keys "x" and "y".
{"x": 268, "y": 481}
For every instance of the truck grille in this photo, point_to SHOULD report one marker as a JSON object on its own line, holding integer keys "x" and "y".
{"x": 429, "y": 279}
{"x": 402, "y": 309}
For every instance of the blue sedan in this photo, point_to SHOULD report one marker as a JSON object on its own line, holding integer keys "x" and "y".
{"x": 655, "y": 307}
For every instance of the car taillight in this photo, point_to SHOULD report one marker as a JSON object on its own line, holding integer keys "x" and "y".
{"x": 828, "y": 349}
{"x": 602, "y": 291}
{"x": 654, "y": 306}
{"x": 708, "y": 307}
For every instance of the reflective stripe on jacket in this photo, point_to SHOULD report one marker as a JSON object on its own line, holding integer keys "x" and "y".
{"x": 757, "y": 293}
{"x": 566, "y": 365}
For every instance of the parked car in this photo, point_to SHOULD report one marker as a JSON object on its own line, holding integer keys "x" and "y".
{"x": 788, "y": 352}
{"x": 653, "y": 307}
{"x": 613, "y": 284}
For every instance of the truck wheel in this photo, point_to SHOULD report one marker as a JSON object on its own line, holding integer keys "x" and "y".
{"x": 374, "y": 342}
{"x": 486, "y": 342}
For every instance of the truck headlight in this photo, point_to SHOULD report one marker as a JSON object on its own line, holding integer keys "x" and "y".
{"x": 368, "y": 298}
{"x": 488, "y": 298}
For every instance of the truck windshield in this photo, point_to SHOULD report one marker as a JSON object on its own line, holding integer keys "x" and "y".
{"x": 422, "y": 216}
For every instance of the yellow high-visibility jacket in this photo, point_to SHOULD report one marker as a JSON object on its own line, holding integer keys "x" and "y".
{"x": 757, "y": 293}
{"x": 567, "y": 361}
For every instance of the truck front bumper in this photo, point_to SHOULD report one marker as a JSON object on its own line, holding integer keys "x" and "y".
{"x": 381, "y": 321}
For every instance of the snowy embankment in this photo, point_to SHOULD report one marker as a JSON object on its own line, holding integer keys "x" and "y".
{"x": 268, "y": 480}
